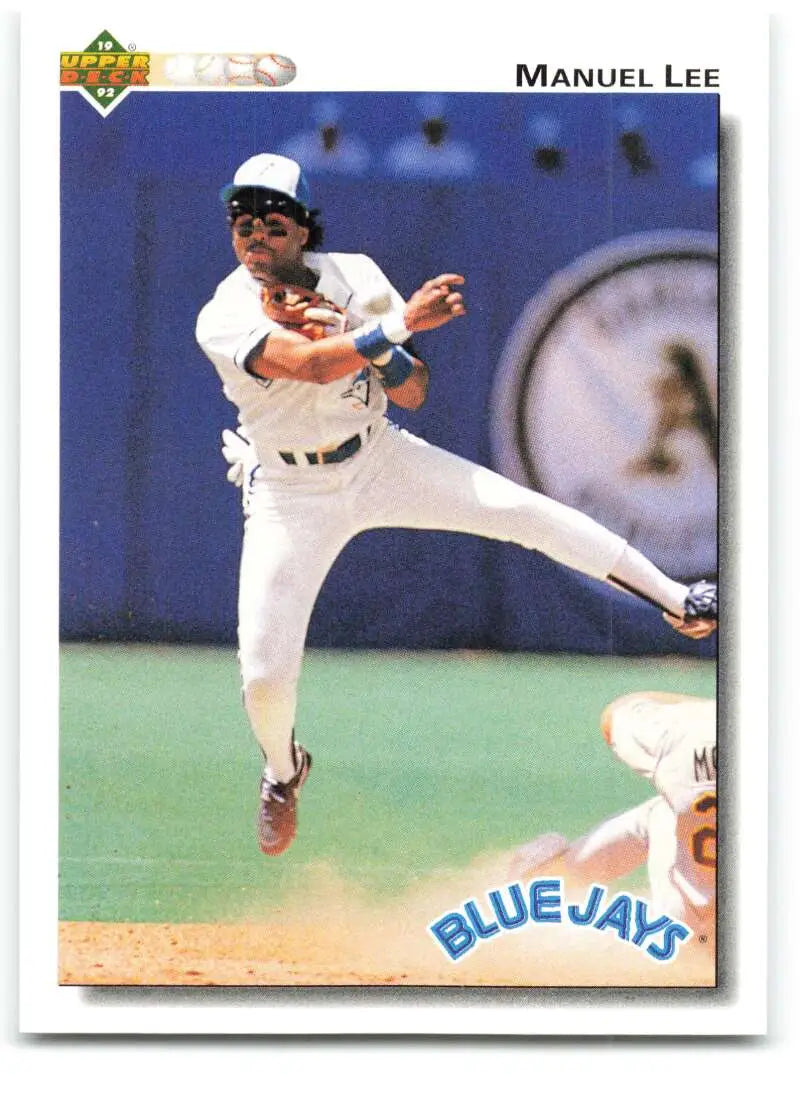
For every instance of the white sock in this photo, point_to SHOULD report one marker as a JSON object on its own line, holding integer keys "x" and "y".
{"x": 635, "y": 573}
{"x": 271, "y": 709}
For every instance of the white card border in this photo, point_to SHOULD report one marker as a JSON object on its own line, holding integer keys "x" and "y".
{"x": 740, "y": 52}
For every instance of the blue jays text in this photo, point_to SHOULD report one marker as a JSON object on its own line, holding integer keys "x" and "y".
{"x": 458, "y": 932}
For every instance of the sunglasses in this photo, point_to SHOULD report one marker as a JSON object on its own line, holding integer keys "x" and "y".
{"x": 259, "y": 207}
{"x": 245, "y": 225}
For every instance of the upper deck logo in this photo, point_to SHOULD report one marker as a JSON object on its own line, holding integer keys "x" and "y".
{"x": 105, "y": 71}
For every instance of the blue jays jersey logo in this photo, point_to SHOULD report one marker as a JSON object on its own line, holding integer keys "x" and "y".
{"x": 358, "y": 391}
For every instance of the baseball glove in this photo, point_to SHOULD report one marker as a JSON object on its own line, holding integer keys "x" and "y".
{"x": 303, "y": 310}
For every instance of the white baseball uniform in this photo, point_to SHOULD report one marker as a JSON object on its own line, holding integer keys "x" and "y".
{"x": 671, "y": 741}
{"x": 301, "y": 512}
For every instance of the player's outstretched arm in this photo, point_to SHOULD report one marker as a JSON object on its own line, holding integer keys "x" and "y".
{"x": 286, "y": 354}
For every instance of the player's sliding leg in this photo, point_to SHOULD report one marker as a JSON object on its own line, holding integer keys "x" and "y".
{"x": 421, "y": 486}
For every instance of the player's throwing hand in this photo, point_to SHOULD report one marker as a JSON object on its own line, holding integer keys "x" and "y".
{"x": 435, "y": 303}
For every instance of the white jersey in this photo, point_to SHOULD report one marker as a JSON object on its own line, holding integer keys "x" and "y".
{"x": 286, "y": 415}
{"x": 675, "y": 746}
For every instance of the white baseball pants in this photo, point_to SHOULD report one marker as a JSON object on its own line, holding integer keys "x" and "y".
{"x": 299, "y": 518}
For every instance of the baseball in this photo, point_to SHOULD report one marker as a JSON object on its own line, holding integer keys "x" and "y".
{"x": 378, "y": 305}
{"x": 239, "y": 70}
{"x": 180, "y": 69}
{"x": 210, "y": 69}
{"x": 274, "y": 70}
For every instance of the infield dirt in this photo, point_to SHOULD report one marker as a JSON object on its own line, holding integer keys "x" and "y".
{"x": 331, "y": 934}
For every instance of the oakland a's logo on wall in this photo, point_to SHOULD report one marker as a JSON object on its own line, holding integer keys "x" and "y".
{"x": 606, "y": 395}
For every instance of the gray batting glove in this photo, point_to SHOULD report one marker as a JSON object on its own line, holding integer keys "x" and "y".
{"x": 238, "y": 451}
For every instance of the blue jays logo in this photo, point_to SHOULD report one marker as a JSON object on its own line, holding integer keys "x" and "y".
{"x": 358, "y": 390}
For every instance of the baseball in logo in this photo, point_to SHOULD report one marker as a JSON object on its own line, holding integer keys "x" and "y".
{"x": 606, "y": 395}
{"x": 220, "y": 70}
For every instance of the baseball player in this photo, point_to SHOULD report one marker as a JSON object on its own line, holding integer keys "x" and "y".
{"x": 311, "y": 347}
{"x": 671, "y": 740}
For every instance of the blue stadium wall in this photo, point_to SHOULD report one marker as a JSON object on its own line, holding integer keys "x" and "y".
{"x": 150, "y": 527}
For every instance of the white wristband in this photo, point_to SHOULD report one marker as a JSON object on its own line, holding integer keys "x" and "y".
{"x": 394, "y": 328}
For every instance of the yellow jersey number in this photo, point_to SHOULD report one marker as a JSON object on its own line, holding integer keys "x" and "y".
{"x": 704, "y": 836}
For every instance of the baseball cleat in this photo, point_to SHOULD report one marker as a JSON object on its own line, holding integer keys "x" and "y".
{"x": 699, "y": 611}
{"x": 530, "y": 858}
{"x": 277, "y": 811}
{"x": 701, "y": 601}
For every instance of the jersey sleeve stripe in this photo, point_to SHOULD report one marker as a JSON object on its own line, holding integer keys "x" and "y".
{"x": 250, "y": 341}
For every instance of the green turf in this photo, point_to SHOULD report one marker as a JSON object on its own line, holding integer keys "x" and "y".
{"x": 421, "y": 762}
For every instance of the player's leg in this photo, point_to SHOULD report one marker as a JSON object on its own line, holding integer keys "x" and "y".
{"x": 287, "y": 551}
{"x": 285, "y": 558}
{"x": 417, "y": 485}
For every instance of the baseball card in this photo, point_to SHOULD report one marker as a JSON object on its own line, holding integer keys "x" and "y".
{"x": 390, "y": 415}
